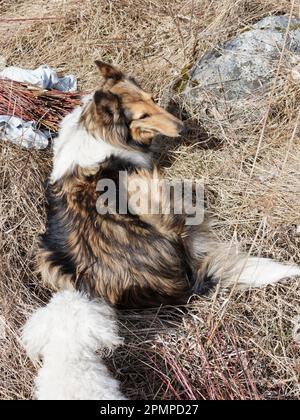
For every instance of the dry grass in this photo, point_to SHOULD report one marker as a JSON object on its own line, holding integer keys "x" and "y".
{"x": 201, "y": 351}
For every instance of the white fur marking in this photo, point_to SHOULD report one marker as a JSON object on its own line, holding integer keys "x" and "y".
{"x": 65, "y": 334}
{"x": 75, "y": 146}
{"x": 259, "y": 272}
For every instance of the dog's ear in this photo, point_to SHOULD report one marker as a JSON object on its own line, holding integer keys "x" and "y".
{"x": 141, "y": 132}
{"x": 108, "y": 71}
{"x": 108, "y": 106}
{"x": 110, "y": 117}
{"x": 35, "y": 334}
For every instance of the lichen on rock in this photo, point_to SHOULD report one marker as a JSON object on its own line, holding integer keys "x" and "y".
{"x": 244, "y": 67}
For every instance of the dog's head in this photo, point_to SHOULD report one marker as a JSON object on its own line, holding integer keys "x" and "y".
{"x": 123, "y": 114}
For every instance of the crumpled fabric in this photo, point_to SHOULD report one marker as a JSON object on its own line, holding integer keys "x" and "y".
{"x": 23, "y": 134}
{"x": 43, "y": 77}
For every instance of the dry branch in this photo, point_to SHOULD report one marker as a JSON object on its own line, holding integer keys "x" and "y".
{"x": 45, "y": 107}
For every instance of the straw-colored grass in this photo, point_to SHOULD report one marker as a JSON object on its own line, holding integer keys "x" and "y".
{"x": 213, "y": 348}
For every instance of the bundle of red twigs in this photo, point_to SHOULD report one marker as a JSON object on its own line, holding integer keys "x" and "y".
{"x": 45, "y": 107}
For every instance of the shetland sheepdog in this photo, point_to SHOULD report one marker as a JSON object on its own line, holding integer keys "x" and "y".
{"x": 131, "y": 260}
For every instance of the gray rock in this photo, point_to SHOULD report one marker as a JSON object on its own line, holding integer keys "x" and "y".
{"x": 243, "y": 67}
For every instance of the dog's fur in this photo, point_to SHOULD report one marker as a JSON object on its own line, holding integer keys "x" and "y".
{"x": 130, "y": 260}
{"x": 65, "y": 334}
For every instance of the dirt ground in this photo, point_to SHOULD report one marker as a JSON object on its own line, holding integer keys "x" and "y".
{"x": 215, "y": 347}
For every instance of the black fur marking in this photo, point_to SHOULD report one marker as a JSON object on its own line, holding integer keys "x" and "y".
{"x": 205, "y": 285}
{"x": 133, "y": 80}
{"x": 109, "y": 71}
{"x": 104, "y": 98}
{"x": 135, "y": 144}
{"x": 55, "y": 239}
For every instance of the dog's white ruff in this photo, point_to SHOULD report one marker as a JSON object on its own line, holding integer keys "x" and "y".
{"x": 75, "y": 146}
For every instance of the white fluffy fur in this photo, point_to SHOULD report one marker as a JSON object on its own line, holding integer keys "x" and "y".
{"x": 75, "y": 146}
{"x": 259, "y": 272}
{"x": 65, "y": 334}
{"x": 233, "y": 268}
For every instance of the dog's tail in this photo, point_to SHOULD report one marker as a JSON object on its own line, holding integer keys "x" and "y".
{"x": 223, "y": 264}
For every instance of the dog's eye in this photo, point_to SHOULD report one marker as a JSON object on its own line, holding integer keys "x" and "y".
{"x": 142, "y": 117}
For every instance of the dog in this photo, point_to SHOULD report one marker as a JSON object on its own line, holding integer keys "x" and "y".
{"x": 65, "y": 334}
{"x": 131, "y": 260}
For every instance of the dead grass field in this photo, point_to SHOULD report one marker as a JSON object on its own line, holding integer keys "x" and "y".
{"x": 215, "y": 348}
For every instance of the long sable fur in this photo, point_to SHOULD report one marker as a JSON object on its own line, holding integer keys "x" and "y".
{"x": 131, "y": 260}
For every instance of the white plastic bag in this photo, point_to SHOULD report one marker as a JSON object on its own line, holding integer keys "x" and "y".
{"x": 14, "y": 129}
{"x": 43, "y": 76}
{"x": 21, "y": 133}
